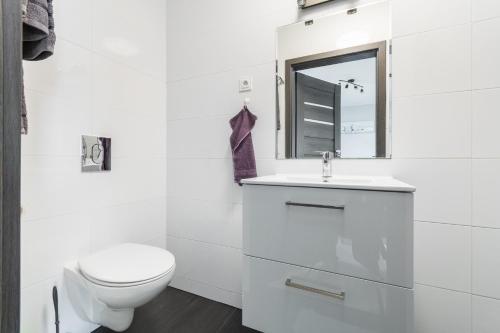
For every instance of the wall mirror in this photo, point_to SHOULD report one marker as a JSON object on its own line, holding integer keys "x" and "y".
{"x": 333, "y": 85}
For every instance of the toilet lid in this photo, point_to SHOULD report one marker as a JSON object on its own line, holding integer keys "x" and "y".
{"x": 127, "y": 263}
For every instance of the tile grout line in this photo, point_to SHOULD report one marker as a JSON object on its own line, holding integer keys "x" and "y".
{"x": 458, "y": 291}
{"x": 219, "y": 72}
{"x": 471, "y": 275}
{"x": 210, "y": 285}
{"x": 94, "y": 52}
{"x": 205, "y": 242}
{"x": 75, "y": 212}
{"x": 430, "y": 30}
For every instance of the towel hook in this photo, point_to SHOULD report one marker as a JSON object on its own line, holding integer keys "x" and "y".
{"x": 247, "y": 101}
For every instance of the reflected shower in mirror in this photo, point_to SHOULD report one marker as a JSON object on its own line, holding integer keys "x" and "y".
{"x": 337, "y": 98}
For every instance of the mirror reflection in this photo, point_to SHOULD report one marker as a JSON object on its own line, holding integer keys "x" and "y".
{"x": 335, "y": 100}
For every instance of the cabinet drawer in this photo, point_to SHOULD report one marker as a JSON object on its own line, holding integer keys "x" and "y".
{"x": 316, "y": 301}
{"x": 365, "y": 234}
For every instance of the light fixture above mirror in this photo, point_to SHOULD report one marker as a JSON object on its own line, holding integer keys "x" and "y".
{"x": 309, "y": 3}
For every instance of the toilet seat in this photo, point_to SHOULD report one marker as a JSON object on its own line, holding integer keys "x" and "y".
{"x": 127, "y": 265}
{"x": 125, "y": 285}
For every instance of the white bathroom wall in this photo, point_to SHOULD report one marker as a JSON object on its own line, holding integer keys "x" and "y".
{"x": 107, "y": 77}
{"x": 446, "y": 82}
{"x": 210, "y": 46}
{"x": 445, "y": 141}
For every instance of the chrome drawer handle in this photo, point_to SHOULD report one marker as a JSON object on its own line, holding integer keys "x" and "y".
{"x": 298, "y": 204}
{"x": 291, "y": 284}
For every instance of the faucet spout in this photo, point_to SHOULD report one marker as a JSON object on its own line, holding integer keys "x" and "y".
{"x": 327, "y": 158}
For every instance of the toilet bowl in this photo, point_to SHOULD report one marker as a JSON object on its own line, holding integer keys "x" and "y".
{"x": 105, "y": 287}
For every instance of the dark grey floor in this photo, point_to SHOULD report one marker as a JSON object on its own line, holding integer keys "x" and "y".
{"x": 177, "y": 311}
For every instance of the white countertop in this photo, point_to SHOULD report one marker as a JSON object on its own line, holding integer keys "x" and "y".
{"x": 340, "y": 182}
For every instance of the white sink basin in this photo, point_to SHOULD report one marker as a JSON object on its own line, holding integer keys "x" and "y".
{"x": 332, "y": 180}
{"x": 374, "y": 183}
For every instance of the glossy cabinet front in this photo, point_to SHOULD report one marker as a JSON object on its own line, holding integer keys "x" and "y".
{"x": 366, "y": 234}
{"x": 269, "y": 305}
{"x": 327, "y": 260}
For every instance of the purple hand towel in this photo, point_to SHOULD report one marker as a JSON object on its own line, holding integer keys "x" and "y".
{"x": 242, "y": 145}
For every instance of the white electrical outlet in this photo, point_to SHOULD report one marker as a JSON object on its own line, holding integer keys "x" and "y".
{"x": 245, "y": 84}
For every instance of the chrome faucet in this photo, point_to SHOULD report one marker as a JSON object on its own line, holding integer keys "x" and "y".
{"x": 326, "y": 163}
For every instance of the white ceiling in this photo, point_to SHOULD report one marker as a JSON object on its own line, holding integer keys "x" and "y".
{"x": 362, "y": 71}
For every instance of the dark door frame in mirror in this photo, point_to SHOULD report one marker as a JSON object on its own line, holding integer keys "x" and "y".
{"x": 10, "y": 164}
{"x": 328, "y": 58}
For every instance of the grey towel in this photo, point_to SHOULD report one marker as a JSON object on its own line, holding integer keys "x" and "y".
{"x": 36, "y": 20}
{"x": 39, "y": 39}
{"x": 38, "y": 30}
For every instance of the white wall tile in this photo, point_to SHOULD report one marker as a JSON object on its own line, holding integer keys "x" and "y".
{"x": 203, "y": 179}
{"x": 438, "y": 311}
{"x": 485, "y": 117}
{"x": 226, "y": 42}
{"x": 105, "y": 78}
{"x": 486, "y": 262}
{"x": 207, "y": 291}
{"x": 215, "y": 222}
{"x": 160, "y": 241}
{"x": 413, "y": 16}
{"x": 264, "y": 135}
{"x": 138, "y": 222}
{"x": 133, "y": 33}
{"x": 432, "y": 62}
{"x": 218, "y": 94}
{"x": 443, "y": 188}
{"x": 485, "y": 317}
{"x": 443, "y": 255}
{"x": 67, "y": 74}
{"x": 55, "y": 125}
{"x": 47, "y": 244}
{"x": 37, "y": 310}
{"x": 217, "y": 265}
{"x": 73, "y": 19}
{"x": 123, "y": 185}
{"x": 419, "y": 122}
{"x": 485, "y": 54}
{"x": 266, "y": 167}
{"x": 485, "y": 193}
{"x": 183, "y": 258}
{"x": 203, "y": 96}
{"x": 199, "y": 19}
{"x": 375, "y": 167}
{"x": 210, "y": 264}
{"x": 37, "y": 314}
{"x": 48, "y": 187}
{"x": 216, "y": 294}
{"x": 180, "y": 282}
{"x": 129, "y": 110}
{"x": 199, "y": 138}
{"x": 484, "y": 9}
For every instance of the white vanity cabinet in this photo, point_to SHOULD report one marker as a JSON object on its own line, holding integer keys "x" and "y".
{"x": 334, "y": 257}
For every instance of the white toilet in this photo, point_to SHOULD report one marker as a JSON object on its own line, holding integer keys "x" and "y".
{"x": 106, "y": 287}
